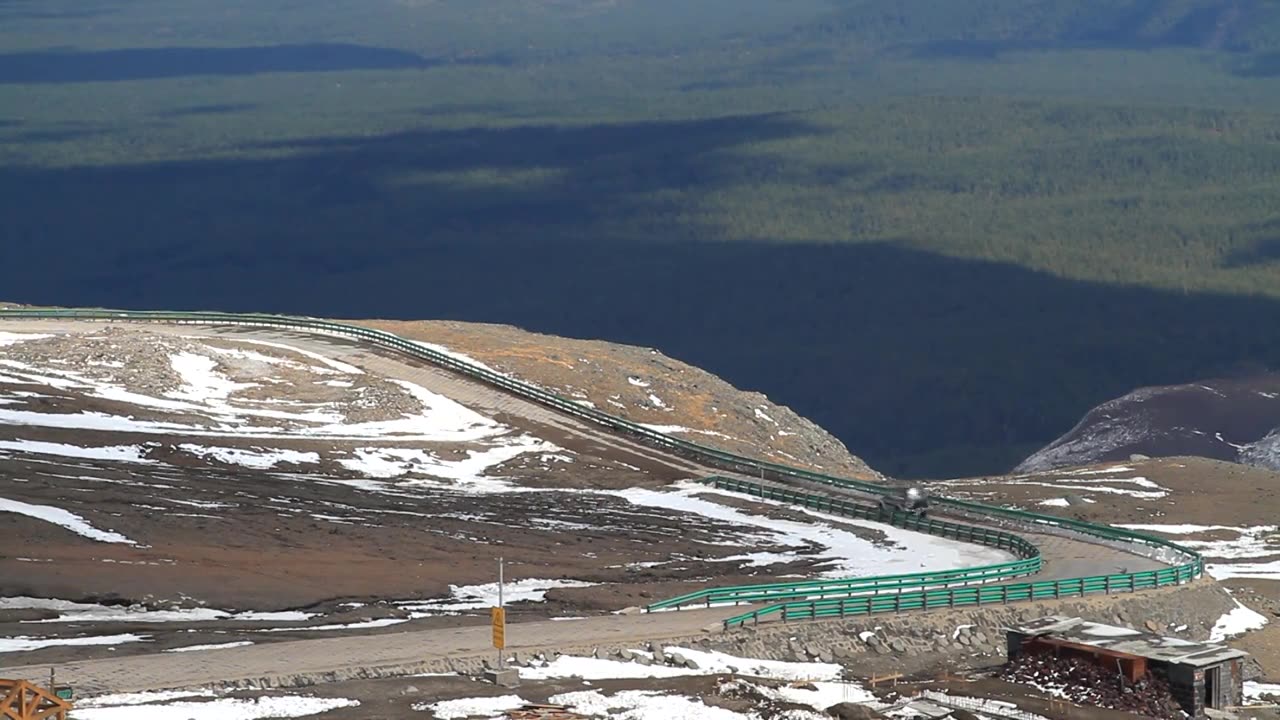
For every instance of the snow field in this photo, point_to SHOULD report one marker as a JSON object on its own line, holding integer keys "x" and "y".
{"x": 88, "y": 612}
{"x": 477, "y": 597}
{"x": 1250, "y": 542}
{"x": 471, "y": 707}
{"x": 26, "y": 644}
{"x": 1255, "y": 690}
{"x": 1238, "y": 621}
{"x": 215, "y": 646}
{"x": 709, "y": 663}
{"x": 206, "y": 391}
{"x": 62, "y": 518}
{"x": 850, "y": 554}
{"x": 1082, "y": 481}
{"x": 192, "y": 706}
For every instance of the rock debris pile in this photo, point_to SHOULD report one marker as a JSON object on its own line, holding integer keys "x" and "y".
{"x": 1085, "y": 683}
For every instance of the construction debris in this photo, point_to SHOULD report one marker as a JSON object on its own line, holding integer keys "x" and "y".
{"x": 1085, "y": 683}
{"x": 534, "y": 711}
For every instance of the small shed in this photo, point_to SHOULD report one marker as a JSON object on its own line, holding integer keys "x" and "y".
{"x": 1201, "y": 675}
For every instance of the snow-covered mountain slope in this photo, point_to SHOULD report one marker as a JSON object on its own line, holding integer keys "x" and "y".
{"x": 1236, "y": 420}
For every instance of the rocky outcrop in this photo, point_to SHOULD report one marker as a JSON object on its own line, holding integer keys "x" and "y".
{"x": 644, "y": 386}
{"x": 1236, "y": 420}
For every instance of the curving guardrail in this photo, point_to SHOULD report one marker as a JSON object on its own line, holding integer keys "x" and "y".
{"x": 1029, "y": 561}
{"x": 1189, "y": 563}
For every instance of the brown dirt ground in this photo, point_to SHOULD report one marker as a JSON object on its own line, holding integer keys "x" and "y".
{"x": 599, "y": 372}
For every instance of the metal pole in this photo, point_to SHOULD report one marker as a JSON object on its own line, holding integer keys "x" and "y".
{"x": 501, "y": 580}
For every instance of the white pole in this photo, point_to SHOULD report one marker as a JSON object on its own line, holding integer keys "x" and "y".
{"x": 501, "y": 580}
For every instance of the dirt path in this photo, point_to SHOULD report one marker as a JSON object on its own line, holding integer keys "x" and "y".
{"x": 383, "y": 654}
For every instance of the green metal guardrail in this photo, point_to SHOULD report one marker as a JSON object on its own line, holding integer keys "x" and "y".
{"x": 969, "y": 596}
{"x": 1029, "y": 562}
{"x": 1193, "y": 567}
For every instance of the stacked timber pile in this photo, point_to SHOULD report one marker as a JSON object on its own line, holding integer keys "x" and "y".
{"x": 1086, "y": 683}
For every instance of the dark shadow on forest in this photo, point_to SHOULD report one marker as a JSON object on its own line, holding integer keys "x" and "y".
{"x": 901, "y": 353}
{"x": 55, "y": 135}
{"x": 41, "y": 10}
{"x": 215, "y": 109}
{"x": 53, "y": 67}
{"x": 1119, "y": 29}
{"x": 1264, "y": 65}
{"x": 1262, "y": 252}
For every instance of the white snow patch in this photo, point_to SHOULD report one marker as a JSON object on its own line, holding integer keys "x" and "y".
{"x": 1255, "y": 690}
{"x": 280, "y": 706}
{"x": 1256, "y": 571}
{"x": 142, "y": 698}
{"x": 709, "y": 663}
{"x": 852, "y": 555}
{"x": 88, "y": 612}
{"x": 23, "y": 643}
{"x": 643, "y": 705}
{"x": 1082, "y": 481}
{"x": 471, "y": 707}
{"x": 117, "y": 453}
{"x": 202, "y": 381}
{"x": 657, "y": 402}
{"x": 669, "y": 429}
{"x": 823, "y": 695}
{"x": 206, "y": 393}
{"x": 477, "y": 597}
{"x": 1237, "y": 622}
{"x": 363, "y": 625}
{"x": 1054, "y": 502}
{"x": 60, "y": 517}
{"x": 335, "y": 365}
{"x": 216, "y": 646}
{"x": 8, "y": 338}
{"x": 467, "y": 474}
{"x": 257, "y": 458}
{"x": 764, "y": 416}
{"x": 464, "y": 358}
{"x": 637, "y": 382}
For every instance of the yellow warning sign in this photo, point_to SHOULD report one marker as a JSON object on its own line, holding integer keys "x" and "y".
{"x": 499, "y": 617}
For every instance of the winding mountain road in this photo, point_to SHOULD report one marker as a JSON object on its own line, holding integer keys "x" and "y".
{"x": 401, "y": 649}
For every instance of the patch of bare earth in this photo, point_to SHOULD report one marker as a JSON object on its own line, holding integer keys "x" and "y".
{"x": 645, "y": 386}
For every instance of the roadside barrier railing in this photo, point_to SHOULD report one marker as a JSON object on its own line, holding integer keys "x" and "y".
{"x": 1190, "y": 564}
{"x": 1029, "y": 561}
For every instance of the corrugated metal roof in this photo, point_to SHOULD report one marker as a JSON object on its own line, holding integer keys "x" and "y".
{"x": 1128, "y": 641}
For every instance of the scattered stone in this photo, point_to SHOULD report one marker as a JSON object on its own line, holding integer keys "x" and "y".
{"x": 852, "y": 711}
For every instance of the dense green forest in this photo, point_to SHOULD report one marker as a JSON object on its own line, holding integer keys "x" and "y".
{"x": 942, "y": 230}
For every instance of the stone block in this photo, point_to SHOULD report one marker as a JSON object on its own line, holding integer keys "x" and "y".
{"x": 507, "y": 678}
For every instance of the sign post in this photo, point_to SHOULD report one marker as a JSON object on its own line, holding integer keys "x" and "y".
{"x": 498, "y": 617}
